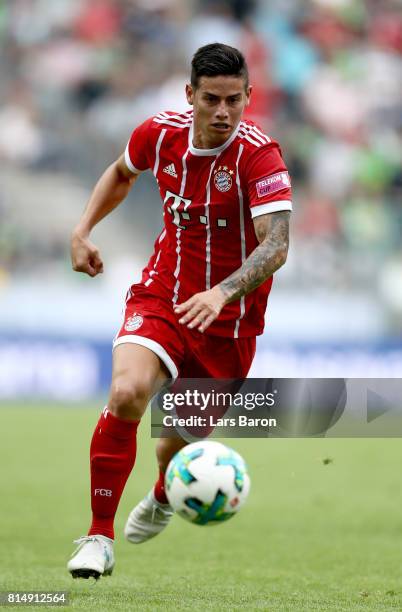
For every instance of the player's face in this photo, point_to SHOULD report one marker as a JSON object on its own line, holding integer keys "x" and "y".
{"x": 218, "y": 106}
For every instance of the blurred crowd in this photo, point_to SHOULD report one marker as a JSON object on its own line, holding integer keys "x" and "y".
{"x": 78, "y": 75}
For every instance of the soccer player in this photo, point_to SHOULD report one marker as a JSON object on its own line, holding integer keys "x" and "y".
{"x": 226, "y": 198}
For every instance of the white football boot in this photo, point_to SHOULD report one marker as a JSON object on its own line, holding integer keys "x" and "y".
{"x": 94, "y": 557}
{"x": 147, "y": 519}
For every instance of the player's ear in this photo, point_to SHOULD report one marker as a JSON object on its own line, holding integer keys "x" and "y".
{"x": 248, "y": 94}
{"x": 189, "y": 93}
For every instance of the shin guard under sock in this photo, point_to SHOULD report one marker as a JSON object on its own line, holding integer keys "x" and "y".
{"x": 112, "y": 455}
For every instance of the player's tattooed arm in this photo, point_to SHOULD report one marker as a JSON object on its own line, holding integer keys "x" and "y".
{"x": 272, "y": 231}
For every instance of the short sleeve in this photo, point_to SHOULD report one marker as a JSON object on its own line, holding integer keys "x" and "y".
{"x": 268, "y": 181}
{"x": 137, "y": 150}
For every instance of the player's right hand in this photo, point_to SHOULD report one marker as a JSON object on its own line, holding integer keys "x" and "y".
{"x": 85, "y": 256}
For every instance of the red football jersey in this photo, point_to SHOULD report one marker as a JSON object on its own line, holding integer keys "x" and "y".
{"x": 210, "y": 197}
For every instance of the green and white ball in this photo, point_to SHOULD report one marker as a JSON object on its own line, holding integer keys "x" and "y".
{"x": 207, "y": 483}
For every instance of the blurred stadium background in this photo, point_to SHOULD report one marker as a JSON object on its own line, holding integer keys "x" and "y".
{"x": 78, "y": 75}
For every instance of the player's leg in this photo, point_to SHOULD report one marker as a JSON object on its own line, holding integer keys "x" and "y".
{"x": 137, "y": 374}
{"x": 166, "y": 448}
{"x": 153, "y": 513}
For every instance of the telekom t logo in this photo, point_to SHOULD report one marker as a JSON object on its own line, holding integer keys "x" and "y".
{"x": 182, "y": 215}
{"x": 174, "y": 208}
{"x": 103, "y": 492}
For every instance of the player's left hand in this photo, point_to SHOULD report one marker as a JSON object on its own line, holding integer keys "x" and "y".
{"x": 201, "y": 309}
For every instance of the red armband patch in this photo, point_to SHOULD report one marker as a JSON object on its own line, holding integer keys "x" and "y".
{"x": 272, "y": 183}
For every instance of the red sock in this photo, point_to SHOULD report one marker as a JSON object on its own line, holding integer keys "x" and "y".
{"x": 159, "y": 489}
{"x": 112, "y": 454}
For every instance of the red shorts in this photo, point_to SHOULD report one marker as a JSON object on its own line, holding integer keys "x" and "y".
{"x": 149, "y": 320}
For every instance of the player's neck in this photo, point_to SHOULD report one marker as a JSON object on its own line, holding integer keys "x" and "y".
{"x": 204, "y": 141}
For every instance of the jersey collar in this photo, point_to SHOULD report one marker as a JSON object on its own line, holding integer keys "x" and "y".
{"x": 204, "y": 152}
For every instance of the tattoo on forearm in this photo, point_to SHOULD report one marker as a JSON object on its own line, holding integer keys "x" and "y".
{"x": 272, "y": 231}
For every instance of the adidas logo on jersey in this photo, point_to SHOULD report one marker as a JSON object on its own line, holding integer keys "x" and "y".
{"x": 171, "y": 170}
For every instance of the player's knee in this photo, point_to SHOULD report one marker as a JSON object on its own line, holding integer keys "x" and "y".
{"x": 129, "y": 399}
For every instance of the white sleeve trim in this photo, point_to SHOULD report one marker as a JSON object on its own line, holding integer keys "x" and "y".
{"x": 129, "y": 163}
{"x": 271, "y": 207}
{"x": 153, "y": 346}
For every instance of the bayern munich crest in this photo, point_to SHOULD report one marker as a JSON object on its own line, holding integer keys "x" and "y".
{"x": 223, "y": 178}
{"x": 133, "y": 323}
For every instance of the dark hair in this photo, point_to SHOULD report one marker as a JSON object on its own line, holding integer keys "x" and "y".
{"x": 217, "y": 59}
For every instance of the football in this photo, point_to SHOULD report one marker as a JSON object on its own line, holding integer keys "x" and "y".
{"x": 207, "y": 483}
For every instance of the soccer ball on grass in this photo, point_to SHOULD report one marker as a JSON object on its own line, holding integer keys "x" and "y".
{"x": 207, "y": 483}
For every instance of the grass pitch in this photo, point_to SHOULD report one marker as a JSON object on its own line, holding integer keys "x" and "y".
{"x": 322, "y": 529}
